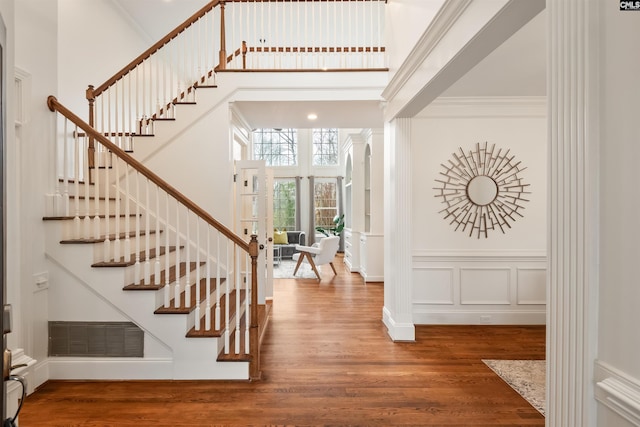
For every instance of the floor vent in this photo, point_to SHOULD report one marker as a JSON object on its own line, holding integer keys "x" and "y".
{"x": 95, "y": 339}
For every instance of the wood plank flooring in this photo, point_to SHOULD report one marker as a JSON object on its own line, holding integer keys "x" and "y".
{"x": 327, "y": 360}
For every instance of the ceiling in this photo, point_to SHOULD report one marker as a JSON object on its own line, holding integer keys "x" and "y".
{"x": 516, "y": 68}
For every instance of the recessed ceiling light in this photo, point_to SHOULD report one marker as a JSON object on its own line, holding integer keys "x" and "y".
{"x": 312, "y": 116}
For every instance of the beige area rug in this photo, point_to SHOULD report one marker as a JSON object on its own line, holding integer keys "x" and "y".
{"x": 527, "y": 377}
{"x": 284, "y": 270}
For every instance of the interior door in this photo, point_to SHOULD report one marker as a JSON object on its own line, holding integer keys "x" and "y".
{"x": 3, "y": 136}
{"x": 252, "y": 216}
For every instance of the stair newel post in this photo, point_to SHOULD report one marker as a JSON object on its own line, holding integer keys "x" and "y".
{"x": 222, "y": 58}
{"x": 244, "y": 55}
{"x": 91, "y": 98}
{"x": 254, "y": 347}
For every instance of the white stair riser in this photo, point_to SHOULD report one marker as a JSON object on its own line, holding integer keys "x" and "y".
{"x": 192, "y": 358}
{"x": 90, "y": 224}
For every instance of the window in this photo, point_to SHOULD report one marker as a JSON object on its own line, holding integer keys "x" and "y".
{"x": 325, "y": 147}
{"x": 277, "y": 147}
{"x": 284, "y": 204}
{"x": 325, "y": 202}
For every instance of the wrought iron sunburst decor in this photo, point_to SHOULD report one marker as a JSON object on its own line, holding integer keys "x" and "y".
{"x": 482, "y": 190}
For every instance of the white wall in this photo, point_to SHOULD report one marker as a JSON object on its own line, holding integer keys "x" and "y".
{"x": 94, "y": 42}
{"x": 405, "y": 22}
{"x": 36, "y": 54}
{"x": 618, "y": 346}
{"x": 462, "y": 279}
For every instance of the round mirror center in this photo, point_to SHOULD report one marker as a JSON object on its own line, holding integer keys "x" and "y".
{"x": 482, "y": 190}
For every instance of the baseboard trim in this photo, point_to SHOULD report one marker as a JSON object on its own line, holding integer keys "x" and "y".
{"x": 618, "y": 391}
{"x": 368, "y": 279}
{"x": 105, "y": 369}
{"x": 480, "y": 317}
{"x": 398, "y": 331}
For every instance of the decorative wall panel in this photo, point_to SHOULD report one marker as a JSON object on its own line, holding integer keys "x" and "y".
{"x": 484, "y": 286}
{"x": 531, "y": 286}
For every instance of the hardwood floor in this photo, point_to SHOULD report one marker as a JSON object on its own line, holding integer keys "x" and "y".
{"x": 327, "y": 360}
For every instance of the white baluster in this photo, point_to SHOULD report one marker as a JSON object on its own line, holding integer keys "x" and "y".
{"x": 76, "y": 184}
{"x": 147, "y": 240}
{"x": 107, "y": 184}
{"x": 247, "y": 303}
{"x": 130, "y": 128}
{"x": 207, "y": 313}
{"x": 187, "y": 278}
{"x": 238, "y": 302}
{"x": 138, "y": 115}
{"x": 116, "y": 245}
{"x": 176, "y": 290}
{"x": 65, "y": 168}
{"x": 120, "y": 132}
{"x": 218, "y": 284}
{"x": 137, "y": 267}
{"x": 127, "y": 213}
{"x": 156, "y": 270}
{"x": 198, "y": 276}
{"x": 227, "y": 302}
{"x": 115, "y": 115}
{"x": 87, "y": 196}
{"x": 167, "y": 265}
{"x": 96, "y": 190}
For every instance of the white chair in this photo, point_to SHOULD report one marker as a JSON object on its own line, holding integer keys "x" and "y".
{"x": 321, "y": 254}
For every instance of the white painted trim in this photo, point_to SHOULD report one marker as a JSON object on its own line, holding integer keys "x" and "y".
{"x": 476, "y": 317}
{"x": 478, "y": 256}
{"x": 373, "y": 279}
{"x": 22, "y": 78}
{"x": 438, "y": 28}
{"x": 398, "y": 331}
{"x": 109, "y": 369}
{"x": 618, "y": 391}
{"x": 451, "y": 46}
{"x": 573, "y": 82}
{"x": 486, "y": 106}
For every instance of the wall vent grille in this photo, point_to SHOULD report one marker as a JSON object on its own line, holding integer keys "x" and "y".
{"x": 95, "y": 339}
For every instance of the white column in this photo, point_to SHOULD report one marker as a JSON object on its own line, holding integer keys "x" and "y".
{"x": 397, "y": 310}
{"x": 573, "y": 212}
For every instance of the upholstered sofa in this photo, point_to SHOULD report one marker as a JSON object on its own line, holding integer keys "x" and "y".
{"x": 293, "y": 238}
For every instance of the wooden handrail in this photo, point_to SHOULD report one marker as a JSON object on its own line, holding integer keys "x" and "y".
{"x": 147, "y": 53}
{"x": 54, "y": 105}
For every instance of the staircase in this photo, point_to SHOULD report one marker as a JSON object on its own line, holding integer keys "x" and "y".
{"x": 136, "y": 242}
{"x": 155, "y": 256}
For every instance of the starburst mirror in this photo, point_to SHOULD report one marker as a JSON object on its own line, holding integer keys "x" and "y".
{"x": 482, "y": 190}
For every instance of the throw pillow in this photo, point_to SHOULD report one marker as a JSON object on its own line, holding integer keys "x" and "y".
{"x": 280, "y": 238}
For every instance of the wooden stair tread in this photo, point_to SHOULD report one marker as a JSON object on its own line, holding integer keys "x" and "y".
{"x": 110, "y": 237}
{"x": 214, "y": 333}
{"x": 182, "y": 309}
{"x": 143, "y": 258}
{"x": 172, "y": 278}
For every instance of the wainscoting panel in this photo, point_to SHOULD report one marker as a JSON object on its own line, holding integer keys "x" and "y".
{"x": 484, "y": 286}
{"x": 532, "y": 286}
{"x": 479, "y": 288}
{"x": 435, "y": 285}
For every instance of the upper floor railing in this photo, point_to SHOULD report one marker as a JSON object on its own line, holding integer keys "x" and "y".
{"x": 235, "y": 35}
